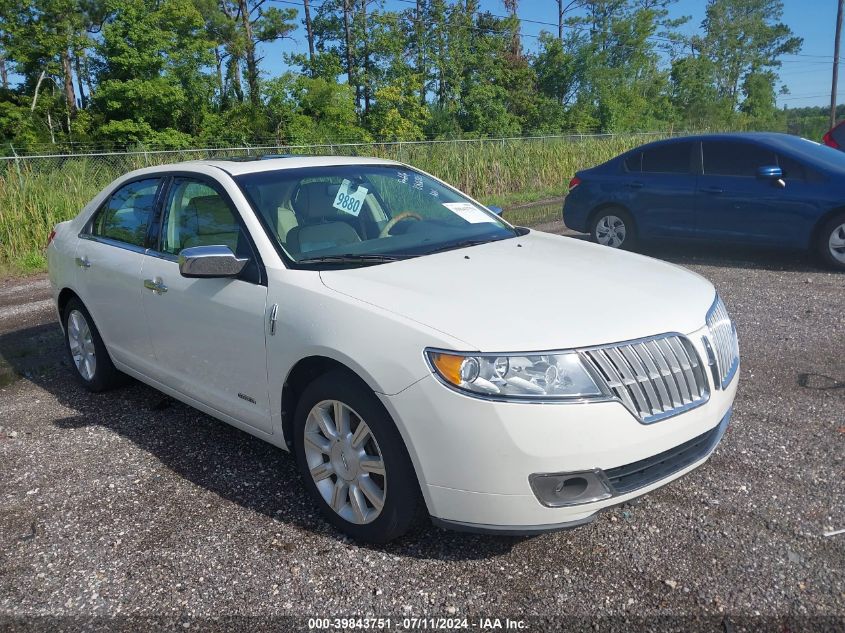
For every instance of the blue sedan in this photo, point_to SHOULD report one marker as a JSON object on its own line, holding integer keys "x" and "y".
{"x": 752, "y": 188}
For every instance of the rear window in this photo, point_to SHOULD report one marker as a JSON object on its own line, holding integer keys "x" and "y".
{"x": 838, "y": 134}
{"x": 127, "y": 214}
{"x": 729, "y": 158}
{"x": 672, "y": 158}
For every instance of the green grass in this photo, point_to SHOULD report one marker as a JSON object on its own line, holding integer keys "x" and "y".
{"x": 534, "y": 215}
{"x": 36, "y": 194}
{"x": 520, "y": 198}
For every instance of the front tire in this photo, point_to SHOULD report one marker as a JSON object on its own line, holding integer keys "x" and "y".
{"x": 88, "y": 355}
{"x": 353, "y": 460}
{"x": 614, "y": 227}
{"x": 831, "y": 242}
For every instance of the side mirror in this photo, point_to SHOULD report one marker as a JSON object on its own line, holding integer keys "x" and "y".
{"x": 210, "y": 261}
{"x": 769, "y": 172}
{"x": 496, "y": 210}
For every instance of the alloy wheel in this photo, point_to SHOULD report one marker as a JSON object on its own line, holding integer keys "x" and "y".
{"x": 345, "y": 461}
{"x": 611, "y": 231}
{"x": 81, "y": 343}
{"x": 836, "y": 243}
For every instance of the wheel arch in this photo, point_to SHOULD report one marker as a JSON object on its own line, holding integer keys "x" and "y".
{"x": 303, "y": 373}
{"x": 308, "y": 369}
{"x": 820, "y": 222}
{"x": 65, "y": 295}
{"x": 609, "y": 205}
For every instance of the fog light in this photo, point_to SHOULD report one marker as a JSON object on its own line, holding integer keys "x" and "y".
{"x": 569, "y": 489}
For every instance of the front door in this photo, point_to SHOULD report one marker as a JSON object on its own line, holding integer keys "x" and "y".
{"x": 208, "y": 335}
{"x": 732, "y": 203}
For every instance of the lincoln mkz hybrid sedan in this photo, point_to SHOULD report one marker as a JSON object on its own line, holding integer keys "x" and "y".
{"x": 415, "y": 351}
{"x": 756, "y": 188}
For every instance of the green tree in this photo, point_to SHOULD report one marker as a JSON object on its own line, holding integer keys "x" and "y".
{"x": 620, "y": 82}
{"x": 760, "y": 104}
{"x": 251, "y": 23}
{"x": 743, "y": 37}
{"x": 695, "y": 97}
{"x": 397, "y": 115}
{"x": 556, "y": 69}
{"x": 47, "y": 42}
{"x": 151, "y": 72}
{"x": 307, "y": 110}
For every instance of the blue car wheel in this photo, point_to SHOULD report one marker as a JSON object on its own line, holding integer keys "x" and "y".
{"x": 831, "y": 242}
{"x": 614, "y": 227}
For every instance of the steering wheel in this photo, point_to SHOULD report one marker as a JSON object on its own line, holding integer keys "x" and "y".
{"x": 405, "y": 215}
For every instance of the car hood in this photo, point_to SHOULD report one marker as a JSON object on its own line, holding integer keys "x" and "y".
{"x": 535, "y": 292}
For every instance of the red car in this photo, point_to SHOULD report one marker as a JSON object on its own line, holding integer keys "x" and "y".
{"x": 835, "y": 137}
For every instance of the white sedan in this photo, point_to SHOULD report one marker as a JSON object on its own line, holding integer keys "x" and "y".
{"x": 414, "y": 350}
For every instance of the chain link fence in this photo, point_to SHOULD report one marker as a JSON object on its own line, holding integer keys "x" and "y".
{"x": 38, "y": 191}
{"x": 126, "y": 160}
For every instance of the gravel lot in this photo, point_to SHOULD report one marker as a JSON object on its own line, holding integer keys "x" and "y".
{"x": 131, "y": 504}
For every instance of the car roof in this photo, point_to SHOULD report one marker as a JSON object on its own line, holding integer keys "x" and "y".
{"x": 798, "y": 147}
{"x": 238, "y": 166}
{"x": 774, "y": 138}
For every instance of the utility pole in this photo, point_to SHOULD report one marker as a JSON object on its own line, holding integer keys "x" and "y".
{"x": 309, "y": 31}
{"x": 835, "y": 64}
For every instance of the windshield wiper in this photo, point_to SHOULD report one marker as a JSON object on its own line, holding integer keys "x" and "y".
{"x": 351, "y": 259}
{"x": 464, "y": 244}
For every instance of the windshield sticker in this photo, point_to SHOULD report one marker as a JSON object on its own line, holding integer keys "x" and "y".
{"x": 402, "y": 177}
{"x": 350, "y": 201}
{"x": 418, "y": 182}
{"x": 468, "y": 212}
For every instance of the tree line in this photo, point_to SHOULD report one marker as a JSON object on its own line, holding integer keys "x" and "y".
{"x": 181, "y": 73}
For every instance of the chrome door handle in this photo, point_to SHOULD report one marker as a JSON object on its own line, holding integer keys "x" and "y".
{"x": 712, "y": 190}
{"x": 635, "y": 185}
{"x": 274, "y": 317}
{"x": 156, "y": 285}
{"x": 83, "y": 262}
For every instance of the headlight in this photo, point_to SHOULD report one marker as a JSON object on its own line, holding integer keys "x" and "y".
{"x": 725, "y": 343}
{"x": 556, "y": 376}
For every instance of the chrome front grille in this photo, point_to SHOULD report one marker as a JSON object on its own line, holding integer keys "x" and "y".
{"x": 725, "y": 344}
{"x": 655, "y": 377}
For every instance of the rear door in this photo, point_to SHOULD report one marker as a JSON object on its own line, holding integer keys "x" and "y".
{"x": 208, "y": 335}
{"x": 109, "y": 256}
{"x": 659, "y": 189}
{"x": 734, "y": 204}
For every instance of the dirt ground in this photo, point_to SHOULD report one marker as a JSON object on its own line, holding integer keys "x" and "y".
{"x": 132, "y": 505}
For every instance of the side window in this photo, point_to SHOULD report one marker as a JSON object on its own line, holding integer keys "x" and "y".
{"x": 196, "y": 215}
{"x": 633, "y": 163}
{"x": 726, "y": 158}
{"x": 792, "y": 169}
{"x": 128, "y": 212}
{"x": 672, "y": 158}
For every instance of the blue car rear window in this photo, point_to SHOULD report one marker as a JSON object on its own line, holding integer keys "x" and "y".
{"x": 669, "y": 158}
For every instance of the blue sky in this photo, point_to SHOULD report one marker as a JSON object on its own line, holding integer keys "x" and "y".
{"x": 807, "y": 74}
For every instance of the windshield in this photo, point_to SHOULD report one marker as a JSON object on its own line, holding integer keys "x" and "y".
{"x": 365, "y": 214}
{"x": 821, "y": 155}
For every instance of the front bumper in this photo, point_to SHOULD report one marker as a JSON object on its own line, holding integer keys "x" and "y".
{"x": 474, "y": 457}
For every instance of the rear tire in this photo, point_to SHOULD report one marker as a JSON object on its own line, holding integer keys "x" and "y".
{"x": 89, "y": 359}
{"x": 830, "y": 244}
{"x": 353, "y": 460}
{"x": 614, "y": 227}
